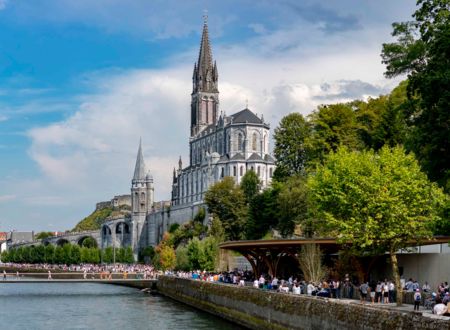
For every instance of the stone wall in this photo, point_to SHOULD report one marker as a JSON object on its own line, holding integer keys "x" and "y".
{"x": 259, "y": 309}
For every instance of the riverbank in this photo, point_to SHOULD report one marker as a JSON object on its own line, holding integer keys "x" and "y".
{"x": 259, "y": 309}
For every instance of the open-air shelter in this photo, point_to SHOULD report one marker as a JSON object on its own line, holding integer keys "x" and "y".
{"x": 267, "y": 254}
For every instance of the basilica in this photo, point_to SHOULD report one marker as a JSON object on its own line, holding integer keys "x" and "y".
{"x": 219, "y": 145}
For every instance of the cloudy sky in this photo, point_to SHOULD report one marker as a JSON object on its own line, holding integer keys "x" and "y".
{"x": 81, "y": 81}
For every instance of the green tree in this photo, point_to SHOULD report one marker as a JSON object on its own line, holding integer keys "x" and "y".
{"x": 59, "y": 256}
{"x": 107, "y": 256}
{"x": 334, "y": 125}
{"x": 49, "y": 254}
{"x": 292, "y": 206}
{"x": 422, "y": 50}
{"x": 44, "y": 234}
{"x": 194, "y": 251}
{"x": 250, "y": 185}
{"x": 226, "y": 201}
{"x": 216, "y": 230}
{"x": 263, "y": 212}
{"x": 75, "y": 254}
{"x": 182, "y": 258}
{"x": 128, "y": 255}
{"x": 377, "y": 203}
{"x": 291, "y": 146}
{"x": 165, "y": 257}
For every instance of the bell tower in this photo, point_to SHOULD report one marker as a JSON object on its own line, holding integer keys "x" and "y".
{"x": 205, "y": 92}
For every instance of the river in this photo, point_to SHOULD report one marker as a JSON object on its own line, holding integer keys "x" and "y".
{"x": 96, "y": 306}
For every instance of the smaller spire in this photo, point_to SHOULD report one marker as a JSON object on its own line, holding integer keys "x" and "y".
{"x": 180, "y": 164}
{"x": 139, "y": 169}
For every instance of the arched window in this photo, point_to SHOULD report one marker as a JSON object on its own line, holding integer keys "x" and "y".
{"x": 254, "y": 138}
{"x": 234, "y": 170}
{"x": 264, "y": 143}
{"x": 136, "y": 202}
{"x": 222, "y": 172}
{"x": 240, "y": 142}
{"x": 270, "y": 172}
{"x": 259, "y": 170}
{"x": 241, "y": 171}
{"x": 229, "y": 144}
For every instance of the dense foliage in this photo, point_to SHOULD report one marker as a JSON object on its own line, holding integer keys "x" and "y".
{"x": 67, "y": 254}
{"x": 95, "y": 220}
{"x": 375, "y": 202}
{"x": 422, "y": 50}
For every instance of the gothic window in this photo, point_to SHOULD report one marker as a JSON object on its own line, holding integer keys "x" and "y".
{"x": 220, "y": 144}
{"x": 254, "y": 138}
{"x": 222, "y": 172}
{"x": 270, "y": 172}
{"x": 240, "y": 142}
{"x": 259, "y": 170}
{"x": 136, "y": 202}
{"x": 234, "y": 170}
{"x": 264, "y": 145}
{"x": 229, "y": 144}
{"x": 241, "y": 170}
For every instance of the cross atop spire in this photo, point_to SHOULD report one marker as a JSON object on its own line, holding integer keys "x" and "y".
{"x": 139, "y": 169}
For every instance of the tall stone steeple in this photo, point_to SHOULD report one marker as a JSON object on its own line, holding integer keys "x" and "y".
{"x": 141, "y": 186}
{"x": 139, "y": 168}
{"x": 205, "y": 92}
{"x": 141, "y": 201}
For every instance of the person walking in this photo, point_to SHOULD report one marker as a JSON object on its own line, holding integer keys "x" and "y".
{"x": 417, "y": 299}
{"x": 4, "y": 275}
{"x": 49, "y": 275}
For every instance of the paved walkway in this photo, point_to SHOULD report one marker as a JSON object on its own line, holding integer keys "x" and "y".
{"x": 405, "y": 308}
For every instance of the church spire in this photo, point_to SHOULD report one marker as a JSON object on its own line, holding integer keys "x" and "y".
{"x": 205, "y": 70}
{"x": 139, "y": 169}
{"x": 205, "y": 91}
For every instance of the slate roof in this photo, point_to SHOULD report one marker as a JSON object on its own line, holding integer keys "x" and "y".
{"x": 255, "y": 156}
{"x": 139, "y": 169}
{"x": 238, "y": 156}
{"x": 224, "y": 158}
{"x": 246, "y": 116}
{"x": 269, "y": 158}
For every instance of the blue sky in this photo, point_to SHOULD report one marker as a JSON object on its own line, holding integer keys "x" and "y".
{"x": 81, "y": 81}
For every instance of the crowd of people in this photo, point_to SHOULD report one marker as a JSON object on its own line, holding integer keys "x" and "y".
{"x": 374, "y": 292}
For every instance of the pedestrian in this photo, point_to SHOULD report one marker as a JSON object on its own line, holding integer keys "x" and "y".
{"x": 49, "y": 275}
{"x": 363, "y": 292}
{"x": 417, "y": 299}
{"x": 4, "y": 275}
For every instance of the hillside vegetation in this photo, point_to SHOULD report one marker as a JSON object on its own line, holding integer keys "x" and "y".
{"x": 95, "y": 220}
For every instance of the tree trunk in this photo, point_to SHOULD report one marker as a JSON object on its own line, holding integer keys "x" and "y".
{"x": 398, "y": 286}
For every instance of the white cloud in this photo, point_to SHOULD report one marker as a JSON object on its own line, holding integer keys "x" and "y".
{"x": 3, "y": 118}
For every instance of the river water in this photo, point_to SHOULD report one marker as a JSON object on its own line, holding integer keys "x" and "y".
{"x": 96, "y": 306}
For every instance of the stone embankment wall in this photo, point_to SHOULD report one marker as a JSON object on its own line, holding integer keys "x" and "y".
{"x": 259, "y": 309}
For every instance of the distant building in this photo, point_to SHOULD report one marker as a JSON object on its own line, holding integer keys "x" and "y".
{"x": 17, "y": 237}
{"x": 117, "y": 201}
